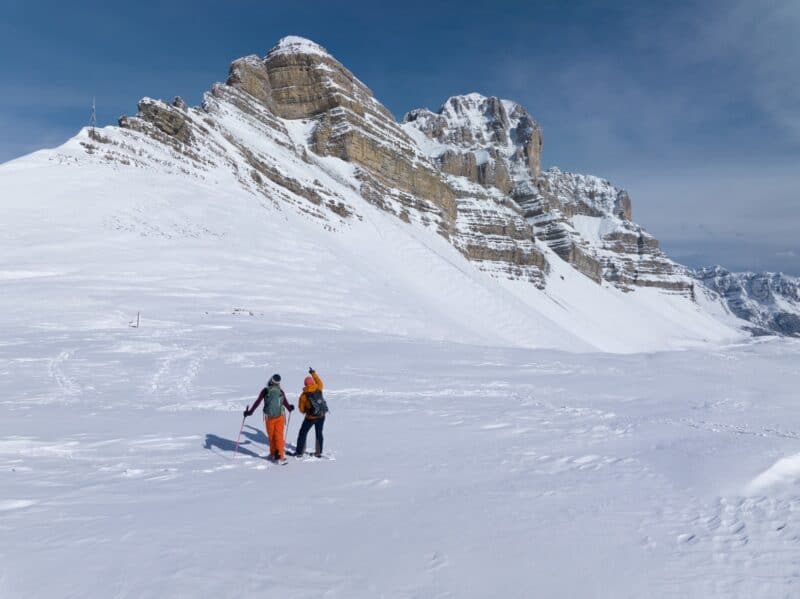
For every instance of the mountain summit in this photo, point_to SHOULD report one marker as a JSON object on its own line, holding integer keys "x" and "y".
{"x": 472, "y": 169}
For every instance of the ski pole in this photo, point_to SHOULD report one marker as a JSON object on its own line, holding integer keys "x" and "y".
{"x": 236, "y": 451}
{"x": 288, "y": 422}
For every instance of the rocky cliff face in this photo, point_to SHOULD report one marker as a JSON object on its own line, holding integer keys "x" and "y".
{"x": 297, "y": 127}
{"x": 769, "y": 301}
{"x": 303, "y": 100}
{"x": 587, "y": 221}
{"x": 306, "y": 82}
{"x": 584, "y": 219}
{"x": 299, "y": 81}
{"x": 487, "y": 140}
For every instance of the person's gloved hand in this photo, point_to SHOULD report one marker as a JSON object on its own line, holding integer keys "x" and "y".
{"x": 246, "y": 413}
{"x": 291, "y": 407}
{"x": 310, "y": 370}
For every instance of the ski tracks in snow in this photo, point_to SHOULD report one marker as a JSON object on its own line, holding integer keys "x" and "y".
{"x": 67, "y": 387}
{"x": 178, "y": 370}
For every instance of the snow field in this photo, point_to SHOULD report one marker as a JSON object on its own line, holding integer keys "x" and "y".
{"x": 555, "y": 474}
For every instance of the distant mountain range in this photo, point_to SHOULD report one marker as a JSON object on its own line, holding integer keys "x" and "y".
{"x": 770, "y": 302}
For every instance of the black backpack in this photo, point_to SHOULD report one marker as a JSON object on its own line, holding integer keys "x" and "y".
{"x": 316, "y": 404}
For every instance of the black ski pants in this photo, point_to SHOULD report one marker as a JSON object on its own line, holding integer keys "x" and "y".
{"x": 317, "y": 423}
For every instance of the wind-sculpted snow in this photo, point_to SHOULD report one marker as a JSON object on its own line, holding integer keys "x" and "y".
{"x": 770, "y": 302}
{"x": 293, "y": 44}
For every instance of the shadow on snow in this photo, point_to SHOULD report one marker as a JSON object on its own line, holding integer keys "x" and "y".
{"x": 250, "y": 436}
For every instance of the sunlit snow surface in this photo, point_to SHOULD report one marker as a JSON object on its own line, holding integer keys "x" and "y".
{"x": 467, "y": 459}
{"x": 458, "y": 470}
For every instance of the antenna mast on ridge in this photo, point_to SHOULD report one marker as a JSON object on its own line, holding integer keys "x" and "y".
{"x": 93, "y": 120}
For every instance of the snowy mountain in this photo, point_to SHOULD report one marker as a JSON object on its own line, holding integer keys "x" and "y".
{"x": 502, "y": 422}
{"x": 293, "y": 172}
{"x": 769, "y": 301}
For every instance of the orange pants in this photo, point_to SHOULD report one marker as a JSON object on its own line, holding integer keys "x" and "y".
{"x": 276, "y": 428}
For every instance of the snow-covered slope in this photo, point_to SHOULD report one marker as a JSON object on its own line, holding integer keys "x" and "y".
{"x": 458, "y": 470}
{"x": 292, "y": 193}
{"x": 770, "y": 302}
{"x": 89, "y": 243}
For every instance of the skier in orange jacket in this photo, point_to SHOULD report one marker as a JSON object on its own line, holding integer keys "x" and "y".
{"x": 313, "y": 405}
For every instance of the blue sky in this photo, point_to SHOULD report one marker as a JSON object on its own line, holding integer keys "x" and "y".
{"x": 694, "y": 107}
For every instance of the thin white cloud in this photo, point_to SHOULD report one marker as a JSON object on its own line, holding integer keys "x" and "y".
{"x": 765, "y": 37}
{"x": 696, "y": 112}
{"x": 714, "y": 78}
{"x": 739, "y": 217}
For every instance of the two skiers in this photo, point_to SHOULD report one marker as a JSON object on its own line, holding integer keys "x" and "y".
{"x": 313, "y": 405}
{"x": 275, "y": 404}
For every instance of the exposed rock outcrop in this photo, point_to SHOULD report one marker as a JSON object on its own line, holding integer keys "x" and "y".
{"x": 307, "y": 82}
{"x": 168, "y": 119}
{"x": 497, "y": 135}
{"x": 584, "y": 219}
{"x": 250, "y": 75}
